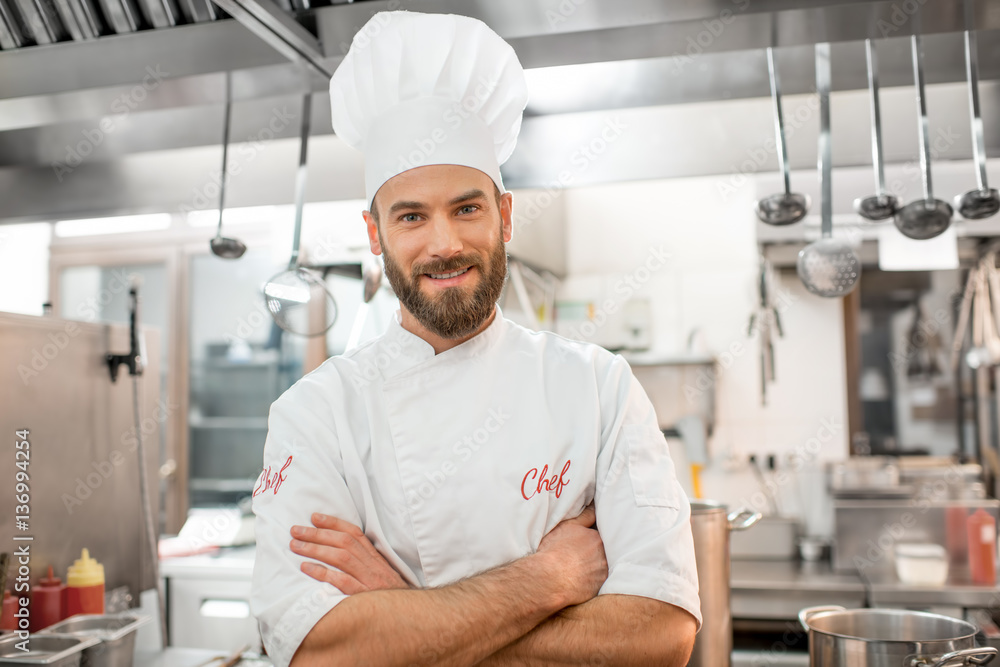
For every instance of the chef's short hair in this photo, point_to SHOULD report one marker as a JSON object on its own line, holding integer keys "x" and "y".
{"x": 374, "y": 211}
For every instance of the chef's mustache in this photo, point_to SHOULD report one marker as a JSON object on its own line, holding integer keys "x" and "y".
{"x": 447, "y": 266}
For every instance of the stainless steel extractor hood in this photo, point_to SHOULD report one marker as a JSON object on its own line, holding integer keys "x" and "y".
{"x": 137, "y": 85}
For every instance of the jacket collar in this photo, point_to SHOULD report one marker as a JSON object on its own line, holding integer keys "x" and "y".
{"x": 406, "y": 350}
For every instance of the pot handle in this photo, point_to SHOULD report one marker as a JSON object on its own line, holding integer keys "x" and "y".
{"x": 743, "y": 519}
{"x": 969, "y": 656}
{"x": 812, "y": 611}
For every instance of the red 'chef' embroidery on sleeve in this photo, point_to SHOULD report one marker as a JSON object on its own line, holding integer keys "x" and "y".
{"x": 535, "y": 482}
{"x": 271, "y": 480}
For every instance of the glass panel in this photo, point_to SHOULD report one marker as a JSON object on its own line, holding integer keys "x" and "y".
{"x": 100, "y": 294}
{"x": 240, "y": 363}
{"x": 358, "y": 322}
{"x": 24, "y": 262}
{"x": 912, "y": 401}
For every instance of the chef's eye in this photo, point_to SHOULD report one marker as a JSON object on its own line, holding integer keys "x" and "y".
{"x": 471, "y": 208}
{"x": 409, "y": 217}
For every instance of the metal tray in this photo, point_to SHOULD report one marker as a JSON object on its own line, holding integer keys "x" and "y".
{"x": 114, "y": 634}
{"x": 53, "y": 650}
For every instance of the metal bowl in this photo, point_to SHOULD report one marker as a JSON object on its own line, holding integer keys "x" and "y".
{"x": 114, "y": 635}
{"x": 53, "y": 650}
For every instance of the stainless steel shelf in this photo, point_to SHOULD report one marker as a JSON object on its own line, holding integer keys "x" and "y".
{"x": 221, "y": 485}
{"x": 228, "y": 422}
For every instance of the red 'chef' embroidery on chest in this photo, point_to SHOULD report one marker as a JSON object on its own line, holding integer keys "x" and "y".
{"x": 271, "y": 480}
{"x": 536, "y": 481}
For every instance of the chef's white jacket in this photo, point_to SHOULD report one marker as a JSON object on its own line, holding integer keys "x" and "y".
{"x": 456, "y": 463}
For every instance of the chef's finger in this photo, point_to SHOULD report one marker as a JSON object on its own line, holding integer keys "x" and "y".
{"x": 347, "y": 584}
{"x": 360, "y": 547}
{"x": 333, "y": 523}
{"x": 339, "y": 558}
{"x": 331, "y": 538}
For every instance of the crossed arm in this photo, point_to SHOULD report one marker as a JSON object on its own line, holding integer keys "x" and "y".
{"x": 542, "y": 609}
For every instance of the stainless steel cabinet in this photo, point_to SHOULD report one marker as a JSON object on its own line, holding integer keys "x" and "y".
{"x": 208, "y": 600}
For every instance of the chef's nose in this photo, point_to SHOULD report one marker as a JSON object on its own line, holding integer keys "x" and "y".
{"x": 444, "y": 238}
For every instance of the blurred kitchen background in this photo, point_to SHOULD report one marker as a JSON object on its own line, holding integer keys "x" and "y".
{"x": 648, "y": 140}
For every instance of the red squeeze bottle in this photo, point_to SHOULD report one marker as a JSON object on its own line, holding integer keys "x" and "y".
{"x": 7, "y": 619}
{"x": 982, "y": 532}
{"x": 84, "y": 586}
{"x": 46, "y": 602}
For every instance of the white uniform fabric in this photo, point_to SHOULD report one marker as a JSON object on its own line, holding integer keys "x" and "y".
{"x": 459, "y": 462}
{"x": 419, "y": 89}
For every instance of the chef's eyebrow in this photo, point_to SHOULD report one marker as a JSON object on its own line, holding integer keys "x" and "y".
{"x": 475, "y": 193}
{"x": 470, "y": 195}
{"x": 400, "y": 205}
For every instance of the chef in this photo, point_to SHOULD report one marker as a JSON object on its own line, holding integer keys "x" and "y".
{"x": 431, "y": 497}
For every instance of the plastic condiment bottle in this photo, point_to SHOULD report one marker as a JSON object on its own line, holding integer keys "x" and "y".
{"x": 982, "y": 532}
{"x": 7, "y": 618}
{"x": 84, "y": 586}
{"x": 47, "y": 602}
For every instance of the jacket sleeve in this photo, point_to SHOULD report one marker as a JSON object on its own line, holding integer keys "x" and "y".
{"x": 643, "y": 514}
{"x": 302, "y": 474}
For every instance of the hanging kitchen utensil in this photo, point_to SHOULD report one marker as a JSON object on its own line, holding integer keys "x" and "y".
{"x": 371, "y": 278}
{"x": 928, "y": 217}
{"x": 290, "y": 293}
{"x": 761, "y": 321}
{"x": 984, "y": 201}
{"x": 222, "y": 246}
{"x": 923, "y": 346}
{"x": 964, "y": 315}
{"x": 985, "y": 350}
{"x": 881, "y": 205}
{"x": 828, "y": 267}
{"x": 787, "y": 207}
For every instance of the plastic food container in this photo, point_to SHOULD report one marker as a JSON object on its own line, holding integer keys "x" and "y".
{"x": 922, "y": 564}
{"x": 45, "y": 649}
{"x": 114, "y": 636}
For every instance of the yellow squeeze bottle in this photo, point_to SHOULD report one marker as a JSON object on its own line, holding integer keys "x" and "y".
{"x": 85, "y": 586}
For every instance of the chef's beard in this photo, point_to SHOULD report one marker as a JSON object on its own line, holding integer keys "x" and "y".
{"x": 453, "y": 313}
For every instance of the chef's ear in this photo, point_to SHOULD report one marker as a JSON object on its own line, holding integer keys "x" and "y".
{"x": 372, "y": 224}
{"x": 507, "y": 215}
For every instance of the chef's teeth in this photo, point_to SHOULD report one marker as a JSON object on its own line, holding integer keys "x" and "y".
{"x": 442, "y": 276}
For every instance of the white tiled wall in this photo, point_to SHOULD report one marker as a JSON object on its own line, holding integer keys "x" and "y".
{"x": 709, "y": 287}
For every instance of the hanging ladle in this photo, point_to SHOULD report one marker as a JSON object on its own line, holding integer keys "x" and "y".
{"x": 881, "y": 205}
{"x": 221, "y": 246}
{"x": 984, "y": 201}
{"x": 828, "y": 267}
{"x": 928, "y": 217}
{"x": 295, "y": 297}
{"x": 787, "y": 207}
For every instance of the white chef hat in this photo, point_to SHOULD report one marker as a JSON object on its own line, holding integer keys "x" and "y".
{"x": 421, "y": 89}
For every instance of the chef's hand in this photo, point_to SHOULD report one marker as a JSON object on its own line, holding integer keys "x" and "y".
{"x": 578, "y": 556}
{"x": 344, "y": 546}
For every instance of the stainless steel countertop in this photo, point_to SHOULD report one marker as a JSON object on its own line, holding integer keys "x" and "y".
{"x": 190, "y": 657}
{"x": 816, "y": 581}
{"x": 228, "y": 563}
{"x": 749, "y": 575}
{"x": 778, "y": 589}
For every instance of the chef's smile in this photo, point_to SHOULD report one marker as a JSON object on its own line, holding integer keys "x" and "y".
{"x": 450, "y": 278}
